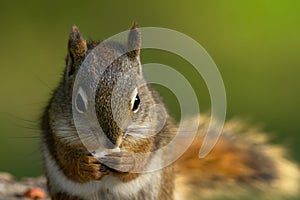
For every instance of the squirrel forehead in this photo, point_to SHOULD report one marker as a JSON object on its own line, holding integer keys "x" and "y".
{"x": 120, "y": 75}
{"x": 109, "y": 54}
{"x": 108, "y": 68}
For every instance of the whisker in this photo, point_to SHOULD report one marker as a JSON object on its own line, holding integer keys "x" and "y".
{"x": 26, "y": 137}
{"x": 44, "y": 83}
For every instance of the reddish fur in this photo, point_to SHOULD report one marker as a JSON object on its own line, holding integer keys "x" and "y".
{"x": 224, "y": 161}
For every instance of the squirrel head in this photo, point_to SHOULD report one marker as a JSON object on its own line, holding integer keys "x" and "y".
{"x": 123, "y": 101}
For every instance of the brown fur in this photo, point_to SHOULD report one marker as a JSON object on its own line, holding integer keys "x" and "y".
{"x": 241, "y": 161}
{"x": 63, "y": 196}
{"x": 71, "y": 159}
{"x": 69, "y": 154}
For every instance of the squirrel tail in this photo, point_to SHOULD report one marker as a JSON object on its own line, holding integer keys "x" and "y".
{"x": 241, "y": 164}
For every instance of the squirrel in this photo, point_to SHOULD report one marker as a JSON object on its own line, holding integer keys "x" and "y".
{"x": 241, "y": 161}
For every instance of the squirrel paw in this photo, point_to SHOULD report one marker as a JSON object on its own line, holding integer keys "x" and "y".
{"x": 90, "y": 168}
{"x": 119, "y": 161}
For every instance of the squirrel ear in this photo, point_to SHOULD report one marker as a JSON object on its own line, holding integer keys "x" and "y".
{"x": 134, "y": 41}
{"x": 77, "y": 49}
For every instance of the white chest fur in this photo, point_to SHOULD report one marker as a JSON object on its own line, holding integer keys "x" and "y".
{"x": 109, "y": 187}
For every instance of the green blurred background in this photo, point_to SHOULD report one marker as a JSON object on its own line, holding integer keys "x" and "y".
{"x": 255, "y": 44}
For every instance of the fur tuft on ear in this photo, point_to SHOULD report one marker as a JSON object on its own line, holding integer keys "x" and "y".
{"x": 77, "y": 49}
{"x": 134, "y": 41}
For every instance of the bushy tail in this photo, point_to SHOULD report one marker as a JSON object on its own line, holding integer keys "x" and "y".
{"x": 241, "y": 165}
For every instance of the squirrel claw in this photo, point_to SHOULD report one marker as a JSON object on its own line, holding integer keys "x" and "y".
{"x": 91, "y": 168}
{"x": 119, "y": 161}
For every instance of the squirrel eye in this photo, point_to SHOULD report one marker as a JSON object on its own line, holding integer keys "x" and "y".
{"x": 135, "y": 101}
{"x": 81, "y": 101}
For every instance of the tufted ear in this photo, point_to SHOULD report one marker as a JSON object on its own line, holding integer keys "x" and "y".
{"x": 134, "y": 41}
{"x": 77, "y": 49}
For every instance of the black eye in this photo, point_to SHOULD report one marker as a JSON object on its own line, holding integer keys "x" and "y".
{"x": 136, "y": 103}
{"x": 81, "y": 101}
